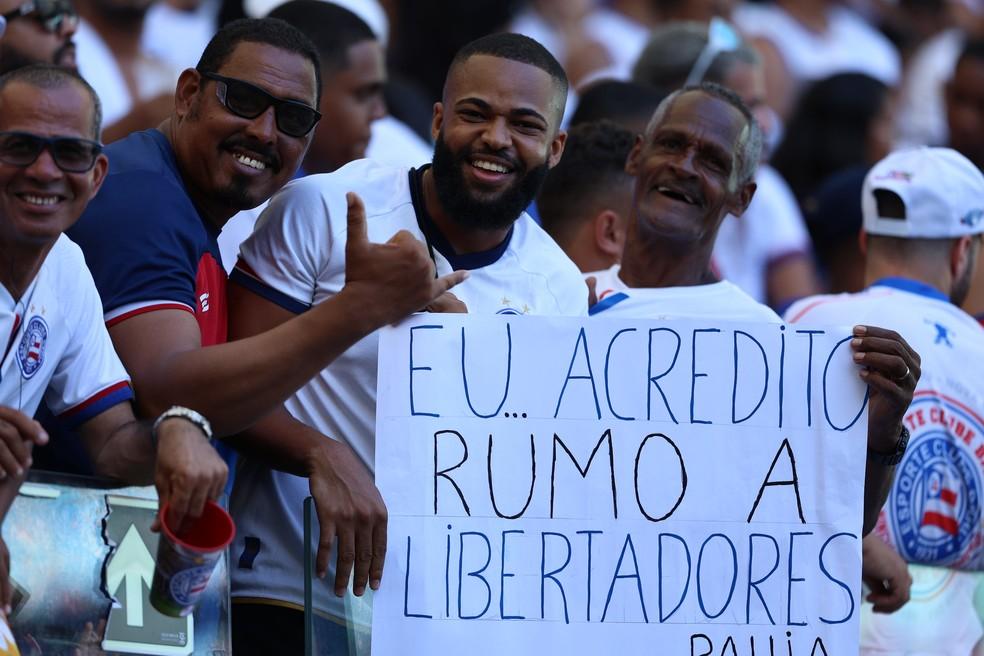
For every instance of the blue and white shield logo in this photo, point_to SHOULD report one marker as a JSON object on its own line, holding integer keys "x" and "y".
{"x": 30, "y": 351}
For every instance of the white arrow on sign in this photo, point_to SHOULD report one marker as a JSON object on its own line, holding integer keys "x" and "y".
{"x": 134, "y": 564}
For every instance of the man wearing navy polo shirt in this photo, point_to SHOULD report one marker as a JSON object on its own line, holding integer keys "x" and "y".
{"x": 242, "y": 121}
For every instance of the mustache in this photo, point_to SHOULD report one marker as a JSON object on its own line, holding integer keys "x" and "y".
{"x": 268, "y": 154}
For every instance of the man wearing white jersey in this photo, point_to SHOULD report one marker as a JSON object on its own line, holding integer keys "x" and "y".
{"x": 55, "y": 345}
{"x": 923, "y": 215}
{"x": 695, "y": 164}
{"x": 497, "y": 133}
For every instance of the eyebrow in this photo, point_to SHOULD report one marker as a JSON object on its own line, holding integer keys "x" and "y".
{"x": 517, "y": 112}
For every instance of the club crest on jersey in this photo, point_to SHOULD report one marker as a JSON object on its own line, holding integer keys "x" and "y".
{"x": 936, "y": 499}
{"x": 30, "y": 351}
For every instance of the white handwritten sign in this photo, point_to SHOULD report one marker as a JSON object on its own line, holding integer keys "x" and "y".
{"x": 599, "y": 486}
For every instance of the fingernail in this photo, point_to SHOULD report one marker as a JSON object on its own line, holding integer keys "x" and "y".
{"x": 858, "y": 357}
{"x": 857, "y": 341}
{"x": 860, "y": 330}
{"x": 30, "y": 461}
{"x": 43, "y": 437}
{"x": 374, "y": 584}
{"x": 864, "y": 373}
{"x": 20, "y": 471}
{"x": 359, "y": 590}
{"x": 339, "y": 592}
{"x": 7, "y": 610}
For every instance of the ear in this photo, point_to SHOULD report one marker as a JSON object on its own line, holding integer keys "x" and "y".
{"x": 741, "y": 199}
{"x": 437, "y": 120}
{"x": 632, "y": 161}
{"x": 556, "y": 149}
{"x": 609, "y": 233}
{"x": 863, "y": 242}
{"x": 98, "y": 174}
{"x": 960, "y": 256}
{"x": 189, "y": 84}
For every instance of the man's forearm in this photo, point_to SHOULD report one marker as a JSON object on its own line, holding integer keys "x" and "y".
{"x": 127, "y": 455}
{"x": 237, "y": 383}
{"x": 281, "y": 442}
{"x": 877, "y": 483}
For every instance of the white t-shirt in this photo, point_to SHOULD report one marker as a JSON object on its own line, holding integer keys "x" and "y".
{"x": 769, "y": 231}
{"x": 58, "y": 348}
{"x": 98, "y": 66}
{"x": 719, "y": 300}
{"x": 296, "y": 258}
{"x": 934, "y": 511}
{"x": 849, "y": 45}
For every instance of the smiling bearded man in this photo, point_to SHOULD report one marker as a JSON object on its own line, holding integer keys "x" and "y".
{"x": 497, "y": 132}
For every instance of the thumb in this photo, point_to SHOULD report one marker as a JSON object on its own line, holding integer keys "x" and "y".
{"x": 356, "y": 218}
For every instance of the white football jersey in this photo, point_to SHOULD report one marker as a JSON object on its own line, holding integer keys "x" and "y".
{"x": 719, "y": 300}
{"x": 56, "y": 344}
{"x": 933, "y": 515}
{"x": 296, "y": 258}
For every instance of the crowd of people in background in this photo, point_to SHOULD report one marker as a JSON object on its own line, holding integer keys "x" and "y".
{"x": 642, "y": 158}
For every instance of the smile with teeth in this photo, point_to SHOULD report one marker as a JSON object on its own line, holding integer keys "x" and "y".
{"x": 489, "y": 166}
{"x": 250, "y": 162}
{"x": 36, "y": 199}
{"x": 677, "y": 195}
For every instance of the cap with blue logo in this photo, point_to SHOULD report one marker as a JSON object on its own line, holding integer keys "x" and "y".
{"x": 924, "y": 193}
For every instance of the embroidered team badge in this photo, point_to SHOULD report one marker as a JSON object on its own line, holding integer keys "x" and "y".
{"x": 936, "y": 500}
{"x": 30, "y": 351}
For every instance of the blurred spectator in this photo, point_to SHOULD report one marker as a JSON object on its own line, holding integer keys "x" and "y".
{"x": 628, "y": 104}
{"x": 807, "y": 40}
{"x": 834, "y": 221}
{"x": 190, "y": 23}
{"x": 428, "y": 33}
{"x": 965, "y": 103}
{"x": 965, "y": 117}
{"x": 767, "y": 251}
{"x": 37, "y": 35}
{"x": 352, "y": 77}
{"x": 921, "y": 117}
{"x": 585, "y": 199}
{"x": 601, "y": 40}
{"x": 839, "y": 122}
{"x": 136, "y": 88}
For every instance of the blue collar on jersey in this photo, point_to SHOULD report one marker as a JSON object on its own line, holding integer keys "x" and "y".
{"x": 911, "y": 286}
{"x": 436, "y": 240}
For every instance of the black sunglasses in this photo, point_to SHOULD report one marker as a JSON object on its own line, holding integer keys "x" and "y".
{"x": 52, "y": 14}
{"x": 71, "y": 154}
{"x": 294, "y": 118}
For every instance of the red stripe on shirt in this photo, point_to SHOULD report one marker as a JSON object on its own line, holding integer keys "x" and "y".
{"x": 948, "y": 524}
{"x": 149, "y": 308}
{"x": 95, "y": 398}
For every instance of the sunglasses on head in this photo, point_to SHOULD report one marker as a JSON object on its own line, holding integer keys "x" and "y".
{"x": 53, "y": 15}
{"x": 294, "y": 118}
{"x": 71, "y": 154}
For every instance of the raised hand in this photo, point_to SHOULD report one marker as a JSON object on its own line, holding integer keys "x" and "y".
{"x": 394, "y": 279}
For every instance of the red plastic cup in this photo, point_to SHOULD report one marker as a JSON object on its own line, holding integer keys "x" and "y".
{"x": 186, "y": 559}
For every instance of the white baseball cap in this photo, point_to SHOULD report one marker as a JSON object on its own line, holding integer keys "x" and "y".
{"x": 941, "y": 194}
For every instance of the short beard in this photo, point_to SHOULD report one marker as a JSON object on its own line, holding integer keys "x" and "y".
{"x": 470, "y": 212}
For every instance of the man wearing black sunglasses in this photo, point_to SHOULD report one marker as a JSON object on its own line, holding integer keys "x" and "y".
{"x": 241, "y": 123}
{"x": 38, "y": 32}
